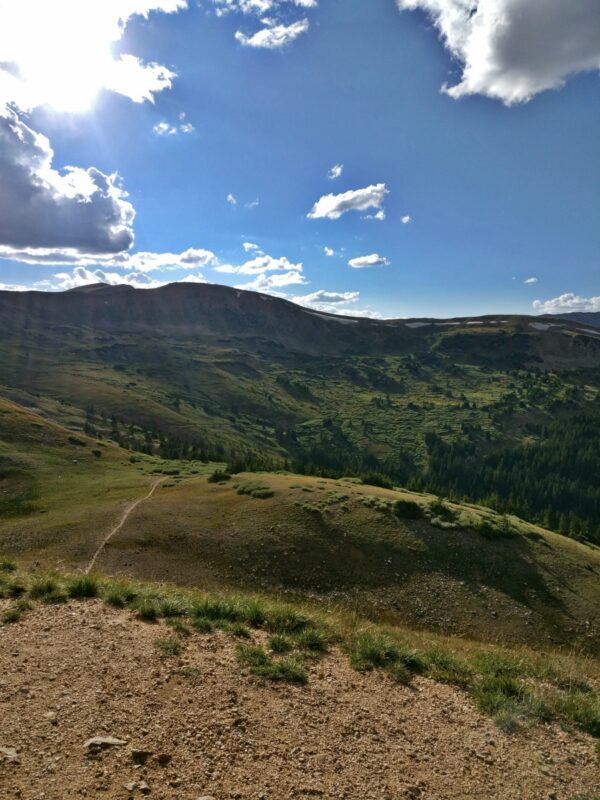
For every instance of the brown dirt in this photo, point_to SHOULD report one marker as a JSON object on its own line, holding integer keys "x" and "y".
{"x": 73, "y": 672}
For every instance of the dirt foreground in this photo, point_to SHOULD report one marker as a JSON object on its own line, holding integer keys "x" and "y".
{"x": 193, "y": 727}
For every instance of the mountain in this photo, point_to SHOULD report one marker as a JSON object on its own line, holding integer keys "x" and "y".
{"x": 584, "y": 317}
{"x": 502, "y": 410}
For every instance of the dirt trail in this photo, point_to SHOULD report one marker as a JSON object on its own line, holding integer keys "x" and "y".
{"x": 131, "y": 507}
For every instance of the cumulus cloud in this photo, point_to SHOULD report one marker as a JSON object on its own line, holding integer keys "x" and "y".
{"x": 530, "y": 280}
{"x": 335, "y": 172}
{"x": 42, "y": 208}
{"x": 250, "y": 246}
{"x": 513, "y": 49}
{"x": 406, "y": 219}
{"x": 374, "y": 260}
{"x": 81, "y": 276}
{"x": 268, "y": 283}
{"x": 273, "y": 35}
{"x": 189, "y": 259}
{"x": 260, "y": 265}
{"x": 329, "y": 251}
{"x": 59, "y": 52}
{"x": 567, "y": 302}
{"x": 332, "y": 206}
{"x": 232, "y": 199}
{"x": 379, "y": 216}
{"x": 253, "y": 203}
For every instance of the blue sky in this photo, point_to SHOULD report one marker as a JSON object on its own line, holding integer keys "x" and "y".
{"x": 482, "y": 187}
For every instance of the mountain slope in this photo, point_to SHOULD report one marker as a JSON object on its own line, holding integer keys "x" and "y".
{"x": 500, "y": 410}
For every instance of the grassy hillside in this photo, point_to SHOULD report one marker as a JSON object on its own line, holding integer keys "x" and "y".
{"x": 388, "y": 553}
{"x": 213, "y": 373}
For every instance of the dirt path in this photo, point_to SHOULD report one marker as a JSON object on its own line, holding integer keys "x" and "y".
{"x": 131, "y": 507}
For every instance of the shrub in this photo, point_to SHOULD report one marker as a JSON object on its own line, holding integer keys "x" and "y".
{"x": 7, "y": 565}
{"x": 255, "y": 489}
{"x": 407, "y": 509}
{"x": 218, "y": 475}
{"x": 83, "y": 587}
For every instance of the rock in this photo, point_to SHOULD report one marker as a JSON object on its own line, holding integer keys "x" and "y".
{"x": 97, "y": 743}
{"x": 130, "y": 786}
{"x": 9, "y": 754}
{"x": 143, "y": 787}
{"x": 163, "y": 759}
{"x": 140, "y": 756}
{"x": 51, "y": 717}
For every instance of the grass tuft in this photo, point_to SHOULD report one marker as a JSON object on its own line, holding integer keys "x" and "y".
{"x": 85, "y": 586}
{"x": 169, "y": 647}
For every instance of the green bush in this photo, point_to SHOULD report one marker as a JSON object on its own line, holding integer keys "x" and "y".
{"x": 255, "y": 489}
{"x": 407, "y": 509}
{"x": 218, "y": 475}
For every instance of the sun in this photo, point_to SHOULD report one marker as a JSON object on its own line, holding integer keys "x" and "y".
{"x": 63, "y": 60}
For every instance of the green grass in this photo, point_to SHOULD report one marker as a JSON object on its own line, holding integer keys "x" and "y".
{"x": 84, "y": 587}
{"x": 255, "y": 488}
{"x": 169, "y": 647}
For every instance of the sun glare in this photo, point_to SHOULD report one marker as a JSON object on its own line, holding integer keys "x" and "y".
{"x": 63, "y": 59}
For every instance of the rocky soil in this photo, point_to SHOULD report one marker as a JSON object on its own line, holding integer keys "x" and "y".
{"x": 90, "y": 709}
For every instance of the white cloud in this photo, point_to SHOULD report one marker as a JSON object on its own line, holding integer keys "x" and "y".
{"x": 167, "y": 129}
{"x": 42, "y": 208}
{"x": 567, "y": 302}
{"x": 59, "y": 53}
{"x": 406, "y": 219}
{"x": 232, "y": 199}
{"x": 14, "y": 287}
{"x": 379, "y": 216}
{"x": 164, "y": 129}
{"x": 531, "y": 280}
{"x": 259, "y": 265}
{"x": 250, "y": 246}
{"x": 273, "y": 36}
{"x": 513, "y": 49}
{"x": 329, "y": 251}
{"x": 258, "y": 7}
{"x": 192, "y": 258}
{"x": 332, "y": 206}
{"x": 374, "y": 260}
{"x": 253, "y": 203}
{"x": 335, "y": 172}
{"x": 266, "y": 283}
{"x": 81, "y": 276}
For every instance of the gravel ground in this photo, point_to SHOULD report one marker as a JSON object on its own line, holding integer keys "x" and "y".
{"x": 193, "y": 727}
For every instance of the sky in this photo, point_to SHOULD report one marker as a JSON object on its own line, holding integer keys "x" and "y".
{"x": 388, "y": 158}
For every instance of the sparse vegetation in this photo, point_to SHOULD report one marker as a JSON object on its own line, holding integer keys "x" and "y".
{"x": 169, "y": 647}
{"x": 255, "y": 488}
